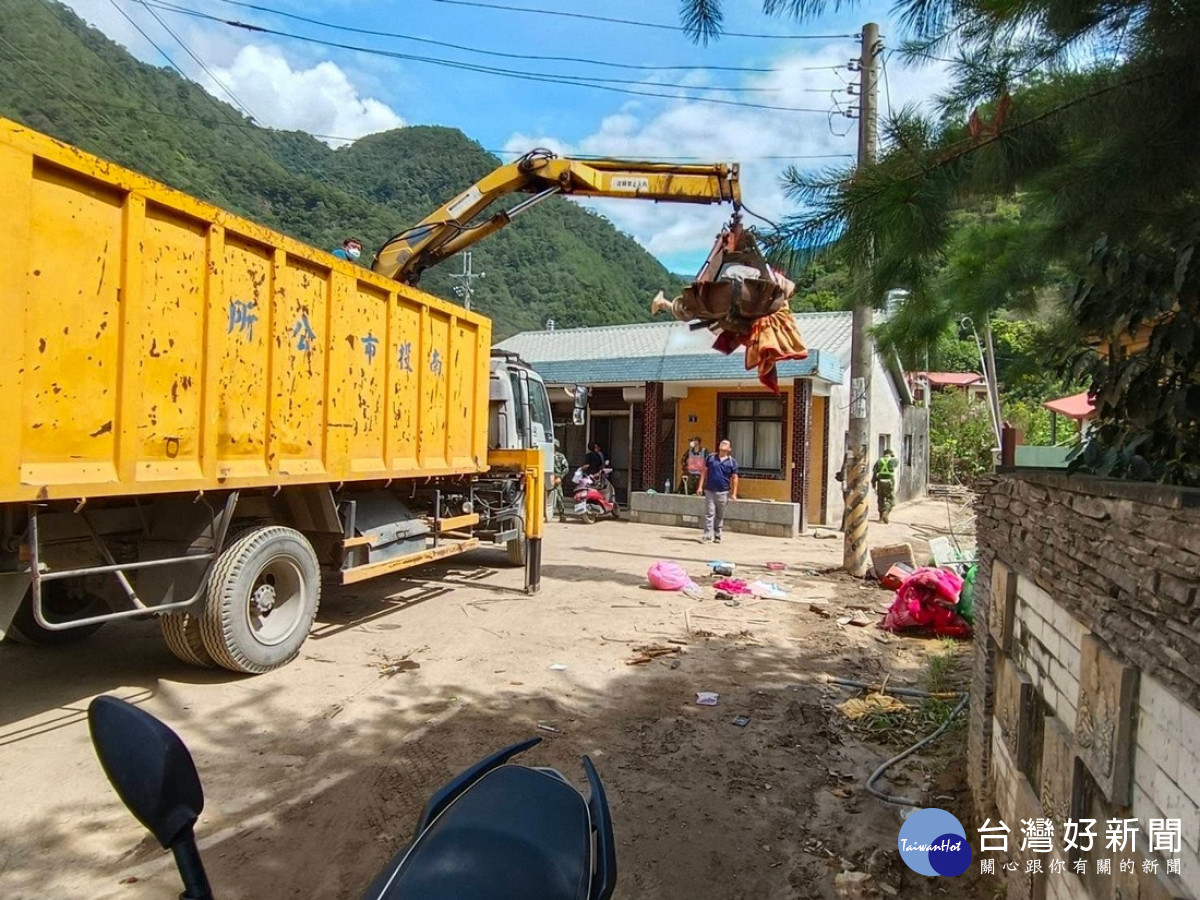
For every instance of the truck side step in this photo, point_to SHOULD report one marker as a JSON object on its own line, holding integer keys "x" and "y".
{"x": 371, "y": 570}
{"x": 458, "y": 523}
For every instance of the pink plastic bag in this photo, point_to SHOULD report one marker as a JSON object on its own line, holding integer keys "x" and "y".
{"x": 668, "y": 576}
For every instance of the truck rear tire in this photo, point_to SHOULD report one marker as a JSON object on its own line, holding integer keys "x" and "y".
{"x": 518, "y": 550}
{"x": 262, "y": 600}
{"x": 61, "y": 604}
{"x": 181, "y": 634}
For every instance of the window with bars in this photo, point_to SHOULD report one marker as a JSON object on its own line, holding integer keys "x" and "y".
{"x": 755, "y": 428}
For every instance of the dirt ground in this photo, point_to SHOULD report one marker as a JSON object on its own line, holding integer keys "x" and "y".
{"x": 315, "y": 774}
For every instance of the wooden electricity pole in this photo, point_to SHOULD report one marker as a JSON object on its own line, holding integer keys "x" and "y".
{"x": 855, "y": 468}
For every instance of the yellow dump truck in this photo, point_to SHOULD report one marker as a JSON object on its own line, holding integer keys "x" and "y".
{"x": 204, "y": 414}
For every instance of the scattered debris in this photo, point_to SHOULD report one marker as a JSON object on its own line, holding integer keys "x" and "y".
{"x": 132, "y": 879}
{"x": 883, "y": 558}
{"x": 544, "y": 727}
{"x": 860, "y": 621}
{"x": 707, "y": 698}
{"x": 720, "y": 567}
{"x": 557, "y": 667}
{"x": 732, "y": 586}
{"x": 741, "y": 721}
{"x": 724, "y": 595}
{"x": 776, "y": 566}
{"x": 387, "y": 670}
{"x": 857, "y": 707}
{"x": 856, "y": 886}
{"x": 669, "y": 576}
{"x": 770, "y": 590}
{"x": 388, "y": 667}
{"x": 650, "y": 652}
{"x": 895, "y": 575}
{"x": 820, "y": 611}
{"x": 928, "y": 603}
{"x": 733, "y": 603}
{"x": 844, "y": 620}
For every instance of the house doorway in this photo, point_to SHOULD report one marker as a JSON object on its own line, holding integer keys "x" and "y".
{"x": 618, "y": 432}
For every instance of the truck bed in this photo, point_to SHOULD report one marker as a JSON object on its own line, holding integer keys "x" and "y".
{"x": 154, "y": 343}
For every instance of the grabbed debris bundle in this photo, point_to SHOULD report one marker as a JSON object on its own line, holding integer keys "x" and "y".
{"x": 740, "y": 296}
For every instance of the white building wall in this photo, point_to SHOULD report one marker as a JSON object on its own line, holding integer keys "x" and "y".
{"x": 886, "y": 418}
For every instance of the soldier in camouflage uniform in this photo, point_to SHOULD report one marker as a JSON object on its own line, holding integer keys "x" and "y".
{"x": 883, "y": 479}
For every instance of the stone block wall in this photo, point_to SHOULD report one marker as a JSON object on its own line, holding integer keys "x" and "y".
{"x": 1086, "y": 677}
{"x": 759, "y": 517}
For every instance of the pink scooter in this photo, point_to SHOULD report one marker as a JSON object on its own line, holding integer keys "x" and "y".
{"x": 594, "y": 498}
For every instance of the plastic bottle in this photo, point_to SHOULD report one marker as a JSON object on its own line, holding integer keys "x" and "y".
{"x": 667, "y": 487}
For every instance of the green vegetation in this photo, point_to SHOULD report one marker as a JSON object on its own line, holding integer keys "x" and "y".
{"x": 1056, "y": 178}
{"x": 558, "y": 261}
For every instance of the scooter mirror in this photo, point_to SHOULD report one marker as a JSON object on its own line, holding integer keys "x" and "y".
{"x": 149, "y": 767}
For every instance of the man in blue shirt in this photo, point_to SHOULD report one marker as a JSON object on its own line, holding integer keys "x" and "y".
{"x": 351, "y": 249}
{"x": 718, "y": 485}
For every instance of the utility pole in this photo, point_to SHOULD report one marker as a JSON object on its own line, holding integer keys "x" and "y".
{"x": 854, "y": 469}
{"x": 465, "y": 277}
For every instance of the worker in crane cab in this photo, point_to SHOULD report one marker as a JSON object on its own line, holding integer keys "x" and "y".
{"x": 351, "y": 249}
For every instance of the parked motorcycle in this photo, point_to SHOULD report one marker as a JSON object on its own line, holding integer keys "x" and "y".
{"x": 496, "y": 832}
{"x": 595, "y": 498}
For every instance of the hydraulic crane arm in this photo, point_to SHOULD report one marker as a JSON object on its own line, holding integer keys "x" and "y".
{"x": 445, "y": 231}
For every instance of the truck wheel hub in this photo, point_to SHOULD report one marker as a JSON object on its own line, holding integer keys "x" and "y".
{"x": 263, "y": 599}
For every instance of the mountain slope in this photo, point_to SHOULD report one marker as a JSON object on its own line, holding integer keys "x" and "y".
{"x": 558, "y": 261}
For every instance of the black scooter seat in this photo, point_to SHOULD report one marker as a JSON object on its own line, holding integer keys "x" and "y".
{"x": 516, "y": 834}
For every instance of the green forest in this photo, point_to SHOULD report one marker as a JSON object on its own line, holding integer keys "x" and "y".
{"x": 558, "y": 261}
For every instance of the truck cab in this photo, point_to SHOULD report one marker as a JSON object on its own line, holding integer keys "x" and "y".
{"x": 519, "y": 415}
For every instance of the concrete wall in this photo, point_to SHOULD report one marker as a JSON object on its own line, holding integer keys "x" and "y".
{"x": 887, "y": 417}
{"x": 1086, "y": 681}
{"x": 748, "y": 516}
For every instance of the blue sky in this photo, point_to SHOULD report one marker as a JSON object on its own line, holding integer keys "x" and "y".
{"x": 343, "y": 93}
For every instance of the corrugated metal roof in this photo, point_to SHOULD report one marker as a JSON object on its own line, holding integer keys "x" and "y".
{"x": 670, "y": 351}
{"x": 712, "y": 366}
{"x": 1077, "y": 406}
{"x": 948, "y": 379}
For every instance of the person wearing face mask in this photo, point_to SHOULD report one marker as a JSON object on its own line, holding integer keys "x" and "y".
{"x": 351, "y": 249}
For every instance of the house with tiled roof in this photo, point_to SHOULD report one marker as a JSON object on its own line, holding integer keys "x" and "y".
{"x": 656, "y": 385}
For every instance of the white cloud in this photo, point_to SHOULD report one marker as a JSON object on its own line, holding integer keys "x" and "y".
{"x": 320, "y": 100}
{"x": 682, "y": 234}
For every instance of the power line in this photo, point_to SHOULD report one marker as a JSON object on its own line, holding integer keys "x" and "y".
{"x": 259, "y": 129}
{"x": 171, "y": 7}
{"x": 887, "y": 85}
{"x": 656, "y": 25}
{"x": 544, "y": 78}
{"x": 38, "y": 71}
{"x": 142, "y": 32}
{"x": 188, "y": 50}
{"x": 498, "y": 53}
{"x": 227, "y": 113}
{"x": 586, "y": 157}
